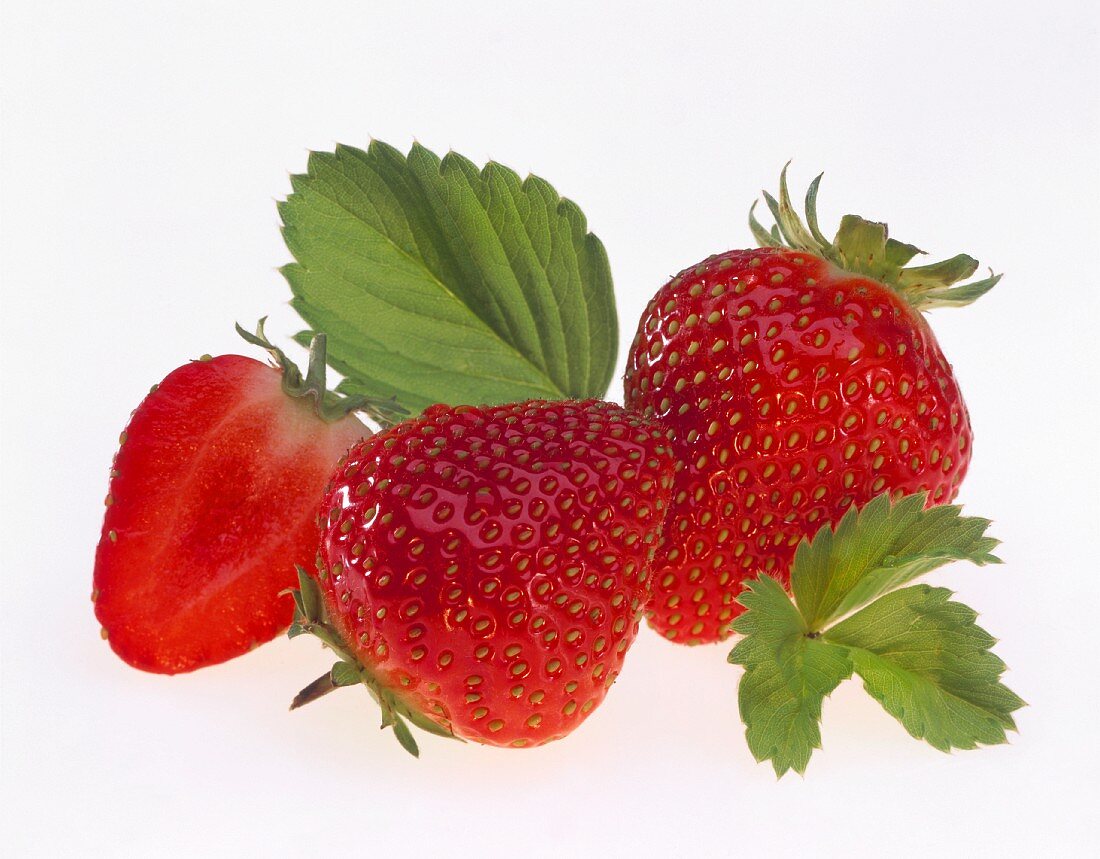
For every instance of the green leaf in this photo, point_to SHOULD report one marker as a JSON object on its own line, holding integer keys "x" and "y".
{"x": 898, "y": 254}
{"x": 925, "y": 660}
{"x": 421, "y": 721}
{"x": 439, "y": 282}
{"x": 345, "y": 674}
{"x": 920, "y": 655}
{"x": 308, "y": 596}
{"x": 879, "y": 548}
{"x": 787, "y": 677}
{"x": 786, "y": 218}
{"x": 762, "y": 236}
{"x": 958, "y": 296}
{"x": 942, "y": 273}
{"x": 405, "y": 737}
{"x": 861, "y": 243}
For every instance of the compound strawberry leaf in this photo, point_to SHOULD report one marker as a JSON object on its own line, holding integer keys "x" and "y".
{"x": 920, "y": 654}
{"x": 922, "y": 657}
{"x": 878, "y": 548}
{"x": 439, "y": 282}
{"x": 787, "y": 677}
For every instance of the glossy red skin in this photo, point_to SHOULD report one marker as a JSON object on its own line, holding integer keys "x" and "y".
{"x": 212, "y": 502}
{"x": 769, "y": 457}
{"x": 490, "y": 565}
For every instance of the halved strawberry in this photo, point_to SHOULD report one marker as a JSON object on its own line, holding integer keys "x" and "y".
{"x": 212, "y": 503}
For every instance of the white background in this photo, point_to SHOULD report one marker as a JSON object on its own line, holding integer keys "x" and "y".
{"x": 144, "y": 145}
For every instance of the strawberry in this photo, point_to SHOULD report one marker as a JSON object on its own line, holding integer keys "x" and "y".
{"x": 483, "y": 570}
{"x": 212, "y": 502}
{"x": 798, "y": 379}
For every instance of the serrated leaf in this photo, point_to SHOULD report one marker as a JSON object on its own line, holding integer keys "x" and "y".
{"x": 879, "y": 548}
{"x": 787, "y": 677}
{"x": 922, "y": 656}
{"x": 345, "y": 674}
{"x": 439, "y": 282}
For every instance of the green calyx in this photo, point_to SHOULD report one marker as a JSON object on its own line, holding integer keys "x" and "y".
{"x": 311, "y": 617}
{"x": 864, "y": 247}
{"x": 329, "y": 406}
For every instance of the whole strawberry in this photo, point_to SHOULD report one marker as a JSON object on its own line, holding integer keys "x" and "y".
{"x": 483, "y": 570}
{"x": 211, "y": 505}
{"x": 798, "y": 379}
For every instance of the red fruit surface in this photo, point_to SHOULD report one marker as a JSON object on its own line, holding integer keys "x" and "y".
{"x": 212, "y": 502}
{"x": 794, "y": 390}
{"x": 489, "y": 566}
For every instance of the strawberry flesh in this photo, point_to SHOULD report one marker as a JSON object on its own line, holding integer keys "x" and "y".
{"x": 212, "y": 502}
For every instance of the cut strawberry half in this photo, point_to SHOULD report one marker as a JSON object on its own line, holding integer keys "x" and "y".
{"x": 212, "y": 503}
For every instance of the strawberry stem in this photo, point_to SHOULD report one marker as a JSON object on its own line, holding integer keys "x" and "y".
{"x": 328, "y": 405}
{"x": 317, "y": 689}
